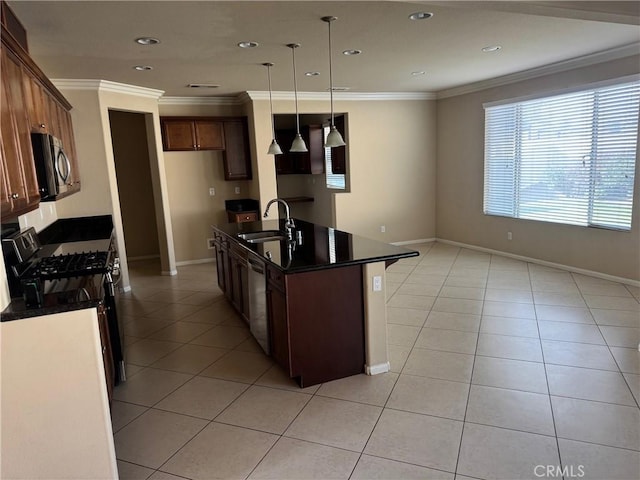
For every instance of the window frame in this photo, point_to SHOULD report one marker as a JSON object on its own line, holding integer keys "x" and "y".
{"x": 514, "y": 136}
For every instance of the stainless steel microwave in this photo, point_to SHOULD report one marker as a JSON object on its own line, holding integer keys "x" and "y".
{"x": 53, "y": 167}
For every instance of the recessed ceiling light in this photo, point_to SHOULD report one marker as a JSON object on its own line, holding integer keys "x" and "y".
{"x": 142, "y": 67}
{"x": 248, "y": 44}
{"x": 147, "y": 41}
{"x": 352, "y": 52}
{"x": 312, "y": 74}
{"x": 203, "y": 85}
{"x": 491, "y": 48}
{"x": 417, "y": 74}
{"x": 420, "y": 16}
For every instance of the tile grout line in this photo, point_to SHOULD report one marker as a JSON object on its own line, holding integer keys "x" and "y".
{"x": 615, "y": 360}
{"x": 546, "y": 377}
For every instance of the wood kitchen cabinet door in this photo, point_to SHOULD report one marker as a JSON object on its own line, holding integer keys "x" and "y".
{"x": 37, "y": 103}
{"x": 311, "y": 162}
{"x": 178, "y": 135}
{"x": 20, "y": 181}
{"x": 279, "y": 327}
{"x": 208, "y": 135}
{"x": 237, "y": 157}
{"x": 184, "y": 134}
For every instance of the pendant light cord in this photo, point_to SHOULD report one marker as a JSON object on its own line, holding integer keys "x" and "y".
{"x": 295, "y": 90}
{"x": 330, "y": 74}
{"x": 273, "y": 126}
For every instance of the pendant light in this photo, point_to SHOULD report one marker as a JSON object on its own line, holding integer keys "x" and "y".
{"x": 334, "y": 139}
{"x": 298, "y": 144}
{"x": 274, "y": 148}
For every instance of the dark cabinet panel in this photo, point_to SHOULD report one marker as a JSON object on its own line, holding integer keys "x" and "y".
{"x": 178, "y": 135}
{"x": 311, "y": 162}
{"x": 186, "y": 134}
{"x": 20, "y": 184}
{"x": 279, "y": 327}
{"x": 228, "y": 134}
{"x": 338, "y": 154}
{"x": 107, "y": 358}
{"x": 209, "y": 135}
{"x": 237, "y": 156}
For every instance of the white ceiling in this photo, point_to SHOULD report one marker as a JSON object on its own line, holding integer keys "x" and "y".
{"x": 95, "y": 40}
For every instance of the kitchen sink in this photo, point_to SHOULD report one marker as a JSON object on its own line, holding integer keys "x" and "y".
{"x": 263, "y": 236}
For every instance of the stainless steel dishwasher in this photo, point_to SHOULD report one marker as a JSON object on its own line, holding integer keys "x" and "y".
{"x": 258, "y": 323}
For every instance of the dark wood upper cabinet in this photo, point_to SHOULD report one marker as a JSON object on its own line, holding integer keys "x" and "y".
{"x": 311, "y": 162}
{"x": 20, "y": 191}
{"x": 237, "y": 155}
{"x": 229, "y": 134}
{"x": 30, "y": 103}
{"x": 188, "y": 134}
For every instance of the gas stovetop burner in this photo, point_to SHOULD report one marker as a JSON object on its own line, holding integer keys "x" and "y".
{"x": 71, "y": 265}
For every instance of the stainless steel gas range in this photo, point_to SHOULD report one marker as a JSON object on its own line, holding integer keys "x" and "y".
{"x": 65, "y": 274}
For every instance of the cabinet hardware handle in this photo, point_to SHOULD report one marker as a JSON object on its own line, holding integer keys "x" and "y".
{"x": 42, "y": 125}
{"x": 15, "y": 195}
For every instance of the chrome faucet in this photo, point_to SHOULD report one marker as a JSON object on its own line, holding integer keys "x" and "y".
{"x": 288, "y": 223}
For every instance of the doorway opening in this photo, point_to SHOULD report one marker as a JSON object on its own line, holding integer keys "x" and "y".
{"x": 135, "y": 187}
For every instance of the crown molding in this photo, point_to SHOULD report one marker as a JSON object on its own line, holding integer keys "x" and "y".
{"x": 201, "y": 100}
{"x": 584, "y": 61}
{"x": 106, "y": 86}
{"x": 343, "y": 96}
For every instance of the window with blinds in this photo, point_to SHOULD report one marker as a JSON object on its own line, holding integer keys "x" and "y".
{"x": 334, "y": 180}
{"x": 567, "y": 158}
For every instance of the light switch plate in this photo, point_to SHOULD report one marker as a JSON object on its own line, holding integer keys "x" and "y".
{"x": 237, "y": 190}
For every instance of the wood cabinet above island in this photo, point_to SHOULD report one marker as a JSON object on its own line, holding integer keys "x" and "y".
{"x": 323, "y": 322}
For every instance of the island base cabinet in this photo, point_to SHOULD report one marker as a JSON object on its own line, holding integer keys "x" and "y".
{"x": 317, "y": 329}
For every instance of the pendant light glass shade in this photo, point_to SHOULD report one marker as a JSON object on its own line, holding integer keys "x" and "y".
{"x": 298, "y": 144}
{"x": 274, "y": 148}
{"x": 334, "y": 139}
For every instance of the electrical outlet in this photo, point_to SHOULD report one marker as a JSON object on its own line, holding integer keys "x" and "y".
{"x": 383, "y": 228}
{"x": 210, "y": 244}
{"x": 237, "y": 190}
{"x": 377, "y": 283}
{"x": 212, "y": 192}
{"x": 509, "y": 236}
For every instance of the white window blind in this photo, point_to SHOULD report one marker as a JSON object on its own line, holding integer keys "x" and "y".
{"x": 334, "y": 180}
{"x": 568, "y": 158}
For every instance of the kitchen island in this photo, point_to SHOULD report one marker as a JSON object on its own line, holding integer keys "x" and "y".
{"x": 315, "y": 301}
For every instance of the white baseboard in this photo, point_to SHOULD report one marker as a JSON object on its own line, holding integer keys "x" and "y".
{"x": 195, "y": 262}
{"x": 591, "y": 273}
{"x": 412, "y": 242}
{"x": 378, "y": 368}
{"x": 170, "y": 273}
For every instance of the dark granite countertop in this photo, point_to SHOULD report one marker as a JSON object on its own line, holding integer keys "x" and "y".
{"x": 322, "y": 247}
{"x": 18, "y": 311}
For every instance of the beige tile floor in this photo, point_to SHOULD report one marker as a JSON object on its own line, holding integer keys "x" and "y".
{"x": 500, "y": 369}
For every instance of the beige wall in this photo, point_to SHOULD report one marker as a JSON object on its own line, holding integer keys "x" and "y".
{"x": 391, "y": 162}
{"x": 99, "y": 194}
{"x": 189, "y": 177}
{"x": 54, "y": 405}
{"x": 460, "y": 122}
{"x": 131, "y": 155}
